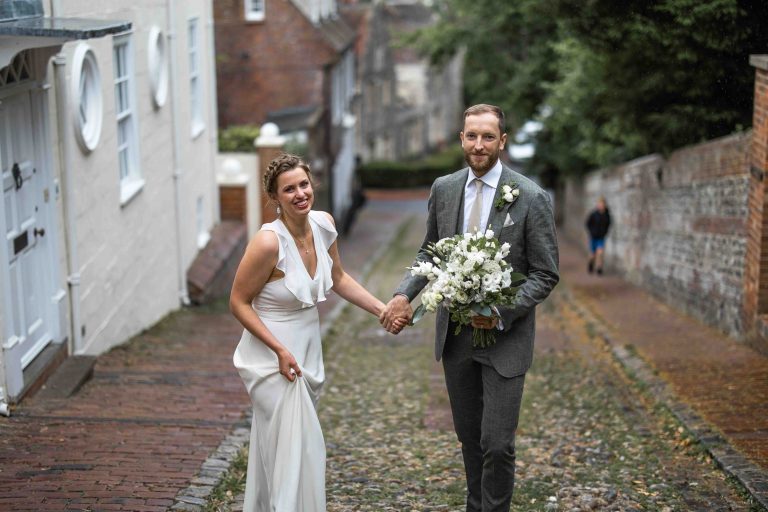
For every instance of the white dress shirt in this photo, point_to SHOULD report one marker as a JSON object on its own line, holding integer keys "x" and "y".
{"x": 490, "y": 182}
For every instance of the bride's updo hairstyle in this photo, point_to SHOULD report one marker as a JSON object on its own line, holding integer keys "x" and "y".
{"x": 283, "y": 163}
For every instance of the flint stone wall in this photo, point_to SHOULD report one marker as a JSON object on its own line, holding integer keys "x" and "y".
{"x": 679, "y": 226}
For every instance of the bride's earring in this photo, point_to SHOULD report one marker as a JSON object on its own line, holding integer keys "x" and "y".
{"x": 277, "y": 209}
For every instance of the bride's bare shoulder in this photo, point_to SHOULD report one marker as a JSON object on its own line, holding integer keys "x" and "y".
{"x": 265, "y": 241}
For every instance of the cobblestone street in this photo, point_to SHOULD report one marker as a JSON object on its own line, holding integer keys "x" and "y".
{"x": 162, "y": 424}
{"x": 590, "y": 438}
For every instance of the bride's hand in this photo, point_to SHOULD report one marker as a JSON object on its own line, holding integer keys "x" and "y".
{"x": 398, "y": 325}
{"x": 289, "y": 368}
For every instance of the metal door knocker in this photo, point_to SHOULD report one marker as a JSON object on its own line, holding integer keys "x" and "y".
{"x": 17, "y": 179}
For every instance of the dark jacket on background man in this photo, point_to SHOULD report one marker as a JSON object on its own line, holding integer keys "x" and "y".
{"x": 598, "y": 223}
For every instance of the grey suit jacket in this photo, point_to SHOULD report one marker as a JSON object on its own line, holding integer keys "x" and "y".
{"x": 533, "y": 252}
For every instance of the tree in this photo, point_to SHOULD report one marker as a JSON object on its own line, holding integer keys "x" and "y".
{"x": 506, "y": 63}
{"x": 609, "y": 80}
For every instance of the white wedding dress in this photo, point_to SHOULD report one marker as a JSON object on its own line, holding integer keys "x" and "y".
{"x": 286, "y": 459}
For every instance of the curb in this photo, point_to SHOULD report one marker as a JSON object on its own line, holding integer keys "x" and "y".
{"x": 753, "y": 478}
{"x": 212, "y": 471}
{"x": 194, "y": 497}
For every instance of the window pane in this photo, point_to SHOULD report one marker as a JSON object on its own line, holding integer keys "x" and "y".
{"x": 127, "y": 149}
{"x": 255, "y": 6}
{"x": 119, "y": 61}
{"x": 195, "y": 97}
{"x": 123, "y": 158}
{"x": 124, "y": 98}
{"x": 192, "y": 34}
{"x": 122, "y": 132}
{"x": 192, "y": 61}
{"x": 195, "y": 101}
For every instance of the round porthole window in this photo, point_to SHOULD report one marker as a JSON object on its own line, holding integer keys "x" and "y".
{"x": 158, "y": 68}
{"x": 87, "y": 102}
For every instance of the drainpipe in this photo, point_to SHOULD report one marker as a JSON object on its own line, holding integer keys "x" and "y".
{"x": 55, "y": 8}
{"x": 70, "y": 235}
{"x": 213, "y": 111}
{"x": 177, "y": 174}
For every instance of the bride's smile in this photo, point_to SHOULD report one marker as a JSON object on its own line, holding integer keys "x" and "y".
{"x": 295, "y": 189}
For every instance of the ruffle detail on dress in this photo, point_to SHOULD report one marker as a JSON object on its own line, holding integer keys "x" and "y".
{"x": 290, "y": 263}
{"x": 325, "y": 235}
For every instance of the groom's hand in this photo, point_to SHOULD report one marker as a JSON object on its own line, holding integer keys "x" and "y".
{"x": 485, "y": 322}
{"x": 397, "y": 314}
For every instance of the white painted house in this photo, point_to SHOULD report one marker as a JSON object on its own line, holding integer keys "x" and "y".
{"x": 107, "y": 152}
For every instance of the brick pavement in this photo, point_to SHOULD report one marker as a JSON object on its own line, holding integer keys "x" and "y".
{"x": 716, "y": 385}
{"x": 136, "y": 432}
{"x": 156, "y": 409}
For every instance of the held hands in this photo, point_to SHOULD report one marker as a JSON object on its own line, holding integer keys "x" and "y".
{"x": 289, "y": 368}
{"x": 396, "y": 314}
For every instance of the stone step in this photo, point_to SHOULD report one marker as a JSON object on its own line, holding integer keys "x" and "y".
{"x": 68, "y": 378}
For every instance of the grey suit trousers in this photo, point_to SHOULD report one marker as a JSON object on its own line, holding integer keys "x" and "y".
{"x": 485, "y": 407}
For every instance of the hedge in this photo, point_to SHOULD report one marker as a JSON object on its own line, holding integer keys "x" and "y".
{"x": 238, "y": 139}
{"x": 410, "y": 173}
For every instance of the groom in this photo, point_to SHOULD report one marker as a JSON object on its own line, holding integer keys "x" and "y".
{"x": 485, "y": 386}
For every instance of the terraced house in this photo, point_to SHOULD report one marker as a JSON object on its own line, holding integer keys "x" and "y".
{"x": 407, "y": 107}
{"x": 291, "y": 62}
{"x": 107, "y": 143}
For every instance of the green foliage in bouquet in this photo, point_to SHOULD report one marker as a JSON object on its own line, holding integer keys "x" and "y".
{"x": 469, "y": 276}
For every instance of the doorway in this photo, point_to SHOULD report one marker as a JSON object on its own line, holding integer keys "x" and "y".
{"x": 27, "y": 260}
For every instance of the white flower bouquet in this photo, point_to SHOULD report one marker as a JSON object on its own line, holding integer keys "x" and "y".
{"x": 469, "y": 276}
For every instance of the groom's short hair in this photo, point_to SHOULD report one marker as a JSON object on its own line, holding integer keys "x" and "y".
{"x": 484, "y": 108}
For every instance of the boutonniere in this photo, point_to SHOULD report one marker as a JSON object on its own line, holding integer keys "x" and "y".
{"x": 509, "y": 193}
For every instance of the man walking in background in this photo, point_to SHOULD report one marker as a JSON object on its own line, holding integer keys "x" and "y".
{"x": 598, "y": 223}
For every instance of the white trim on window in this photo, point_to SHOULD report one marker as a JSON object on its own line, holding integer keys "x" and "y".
{"x": 158, "y": 66}
{"x": 195, "y": 78}
{"x": 87, "y": 99}
{"x": 126, "y": 117}
{"x": 254, "y": 10}
{"x": 129, "y": 189}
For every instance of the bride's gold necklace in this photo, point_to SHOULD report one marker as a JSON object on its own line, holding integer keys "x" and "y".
{"x": 300, "y": 241}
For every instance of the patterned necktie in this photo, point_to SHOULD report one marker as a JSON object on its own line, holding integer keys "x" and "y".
{"x": 477, "y": 208}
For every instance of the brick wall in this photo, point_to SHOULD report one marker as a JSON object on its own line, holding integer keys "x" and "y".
{"x": 680, "y": 226}
{"x": 267, "y": 65}
{"x": 233, "y": 202}
{"x": 756, "y": 270}
{"x": 210, "y": 275}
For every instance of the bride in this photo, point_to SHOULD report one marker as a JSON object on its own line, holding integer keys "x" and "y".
{"x": 288, "y": 267}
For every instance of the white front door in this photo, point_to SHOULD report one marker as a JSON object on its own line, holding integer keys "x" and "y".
{"x": 27, "y": 275}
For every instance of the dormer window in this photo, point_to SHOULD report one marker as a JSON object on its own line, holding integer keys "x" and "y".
{"x": 254, "y": 10}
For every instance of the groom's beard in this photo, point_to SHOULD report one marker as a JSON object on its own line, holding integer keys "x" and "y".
{"x": 483, "y": 163}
